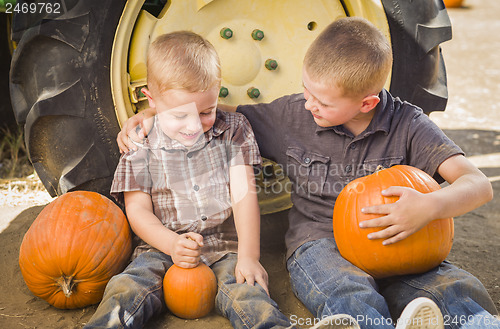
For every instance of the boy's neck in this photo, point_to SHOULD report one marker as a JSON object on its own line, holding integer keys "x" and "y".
{"x": 359, "y": 123}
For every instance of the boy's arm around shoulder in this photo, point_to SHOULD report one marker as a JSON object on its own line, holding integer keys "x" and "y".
{"x": 226, "y": 107}
{"x": 247, "y": 221}
{"x": 184, "y": 249}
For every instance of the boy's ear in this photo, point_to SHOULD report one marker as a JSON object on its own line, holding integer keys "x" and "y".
{"x": 146, "y": 92}
{"x": 369, "y": 103}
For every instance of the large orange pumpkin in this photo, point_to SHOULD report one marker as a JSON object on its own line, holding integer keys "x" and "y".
{"x": 418, "y": 253}
{"x": 190, "y": 292}
{"x": 72, "y": 249}
{"x": 453, "y": 3}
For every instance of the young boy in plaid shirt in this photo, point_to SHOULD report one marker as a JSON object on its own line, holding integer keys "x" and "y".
{"x": 189, "y": 195}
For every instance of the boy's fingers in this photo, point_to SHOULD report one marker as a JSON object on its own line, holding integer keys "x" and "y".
{"x": 187, "y": 264}
{"x": 394, "y": 191}
{"x": 250, "y": 279}
{"x": 381, "y": 209}
{"x": 239, "y": 277}
{"x": 376, "y": 222}
{"x": 263, "y": 283}
{"x": 121, "y": 146}
{"x": 135, "y": 135}
{"x": 396, "y": 238}
{"x": 189, "y": 252}
{"x": 124, "y": 140}
{"x": 391, "y": 234}
{"x": 383, "y": 234}
{"x": 198, "y": 238}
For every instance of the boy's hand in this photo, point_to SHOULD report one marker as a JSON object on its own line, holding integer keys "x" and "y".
{"x": 129, "y": 132}
{"x": 186, "y": 249}
{"x": 251, "y": 271}
{"x": 402, "y": 218}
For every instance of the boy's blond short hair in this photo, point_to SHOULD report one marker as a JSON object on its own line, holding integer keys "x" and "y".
{"x": 351, "y": 54}
{"x": 182, "y": 60}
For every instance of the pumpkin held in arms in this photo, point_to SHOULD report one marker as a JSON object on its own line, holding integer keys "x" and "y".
{"x": 418, "y": 253}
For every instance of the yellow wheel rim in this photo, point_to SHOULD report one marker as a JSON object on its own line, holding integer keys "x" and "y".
{"x": 261, "y": 45}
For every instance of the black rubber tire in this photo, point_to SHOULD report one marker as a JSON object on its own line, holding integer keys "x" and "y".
{"x": 60, "y": 90}
{"x": 60, "y": 85}
{"x": 417, "y": 29}
{"x": 7, "y": 119}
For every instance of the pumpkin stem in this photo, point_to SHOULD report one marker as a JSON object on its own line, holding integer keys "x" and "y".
{"x": 67, "y": 284}
{"x": 379, "y": 168}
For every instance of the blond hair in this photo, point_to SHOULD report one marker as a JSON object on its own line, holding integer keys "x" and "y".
{"x": 182, "y": 60}
{"x": 351, "y": 54}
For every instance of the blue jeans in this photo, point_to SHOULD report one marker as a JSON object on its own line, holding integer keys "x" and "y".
{"x": 134, "y": 296}
{"x": 328, "y": 284}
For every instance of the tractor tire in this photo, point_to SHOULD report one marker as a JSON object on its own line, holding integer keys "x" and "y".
{"x": 418, "y": 73}
{"x": 7, "y": 119}
{"x": 60, "y": 83}
{"x": 60, "y": 91}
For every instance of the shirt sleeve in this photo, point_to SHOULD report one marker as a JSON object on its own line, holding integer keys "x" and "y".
{"x": 131, "y": 174}
{"x": 244, "y": 149}
{"x": 267, "y": 120}
{"x": 429, "y": 145}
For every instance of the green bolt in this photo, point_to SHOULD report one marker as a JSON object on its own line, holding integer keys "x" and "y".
{"x": 226, "y": 33}
{"x": 223, "y": 92}
{"x": 253, "y": 92}
{"x": 271, "y": 64}
{"x": 257, "y": 35}
{"x": 140, "y": 94}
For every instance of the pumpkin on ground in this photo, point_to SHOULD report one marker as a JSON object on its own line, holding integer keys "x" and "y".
{"x": 72, "y": 249}
{"x": 190, "y": 292}
{"x": 418, "y": 253}
{"x": 453, "y": 3}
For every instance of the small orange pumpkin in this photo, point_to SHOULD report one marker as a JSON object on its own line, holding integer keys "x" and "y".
{"x": 72, "y": 249}
{"x": 418, "y": 253}
{"x": 190, "y": 292}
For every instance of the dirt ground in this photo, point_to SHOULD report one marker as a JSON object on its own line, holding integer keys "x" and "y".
{"x": 471, "y": 119}
{"x": 475, "y": 249}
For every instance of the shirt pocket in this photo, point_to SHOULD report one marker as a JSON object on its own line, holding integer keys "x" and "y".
{"x": 370, "y": 166}
{"x": 308, "y": 170}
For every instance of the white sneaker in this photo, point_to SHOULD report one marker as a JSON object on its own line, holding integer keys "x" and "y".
{"x": 337, "y": 321}
{"x": 421, "y": 313}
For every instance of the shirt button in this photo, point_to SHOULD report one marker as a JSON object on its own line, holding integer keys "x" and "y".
{"x": 196, "y": 187}
{"x": 190, "y": 155}
{"x": 353, "y": 146}
{"x": 204, "y": 218}
{"x": 307, "y": 160}
{"x": 348, "y": 168}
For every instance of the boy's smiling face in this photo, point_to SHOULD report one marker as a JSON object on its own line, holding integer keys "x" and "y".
{"x": 185, "y": 116}
{"x": 330, "y": 107}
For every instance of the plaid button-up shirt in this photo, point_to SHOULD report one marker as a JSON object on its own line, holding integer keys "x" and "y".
{"x": 189, "y": 188}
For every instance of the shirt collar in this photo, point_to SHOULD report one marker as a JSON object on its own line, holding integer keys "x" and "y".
{"x": 381, "y": 121}
{"x": 220, "y": 124}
